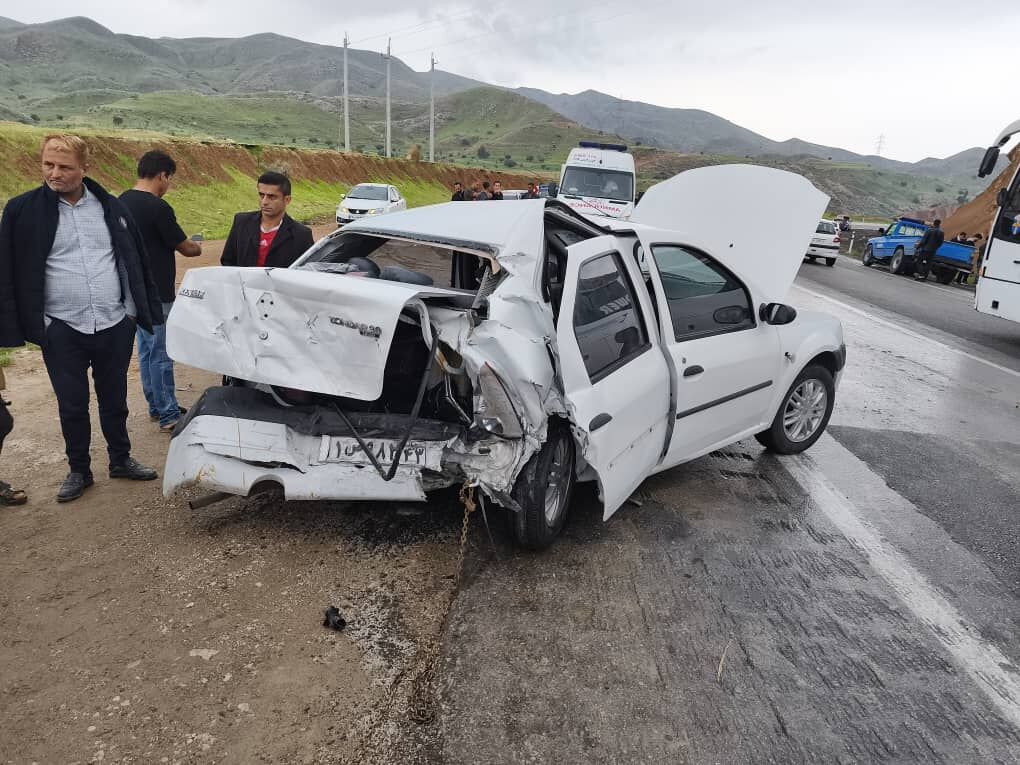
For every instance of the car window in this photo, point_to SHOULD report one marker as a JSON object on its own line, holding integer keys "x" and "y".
{"x": 608, "y": 324}
{"x": 702, "y": 296}
{"x": 363, "y": 191}
{"x": 891, "y": 231}
{"x": 824, "y": 227}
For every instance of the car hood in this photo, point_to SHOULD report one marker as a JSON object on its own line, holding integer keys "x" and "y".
{"x": 756, "y": 220}
{"x": 321, "y": 332}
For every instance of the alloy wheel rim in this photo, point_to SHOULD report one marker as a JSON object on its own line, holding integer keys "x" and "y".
{"x": 805, "y": 410}
{"x": 558, "y": 479}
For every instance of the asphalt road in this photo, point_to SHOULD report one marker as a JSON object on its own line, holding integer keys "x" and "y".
{"x": 857, "y": 604}
{"x": 947, "y": 309}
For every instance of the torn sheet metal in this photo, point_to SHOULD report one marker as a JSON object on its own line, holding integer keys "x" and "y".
{"x": 325, "y": 333}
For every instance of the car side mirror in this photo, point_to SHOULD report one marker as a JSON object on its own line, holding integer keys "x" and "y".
{"x": 988, "y": 161}
{"x": 731, "y": 314}
{"x": 1001, "y": 197}
{"x": 777, "y": 313}
{"x": 881, "y": 232}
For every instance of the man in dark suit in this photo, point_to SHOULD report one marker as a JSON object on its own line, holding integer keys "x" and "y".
{"x": 267, "y": 237}
{"x": 75, "y": 280}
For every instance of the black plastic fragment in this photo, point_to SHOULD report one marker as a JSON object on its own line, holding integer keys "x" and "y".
{"x": 333, "y": 619}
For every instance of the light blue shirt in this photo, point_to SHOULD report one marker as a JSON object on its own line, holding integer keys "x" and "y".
{"x": 85, "y": 288}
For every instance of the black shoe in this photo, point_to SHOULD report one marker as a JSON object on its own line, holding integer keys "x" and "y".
{"x": 74, "y": 486}
{"x": 133, "y": 470}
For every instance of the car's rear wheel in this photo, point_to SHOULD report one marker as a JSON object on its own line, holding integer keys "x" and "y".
{"x": 944, "y": 275}
{"x": 811, "y": 258}
{"x": 803, "y": 413}
{"x": 830, "y": 262}
{"x": 896, "y": 264}
{"x": 543, "y": 490}
{"x": 869, "y": 256}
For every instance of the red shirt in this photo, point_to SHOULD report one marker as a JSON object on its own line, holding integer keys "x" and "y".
{"x": 265, "y": 242}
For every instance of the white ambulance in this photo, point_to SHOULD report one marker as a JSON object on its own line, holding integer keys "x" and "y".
{"x": 998, "y": 287}
{"x": 598, "y": 179}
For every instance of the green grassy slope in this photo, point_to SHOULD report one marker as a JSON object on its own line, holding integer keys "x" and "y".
{"x": 215, "y": 179}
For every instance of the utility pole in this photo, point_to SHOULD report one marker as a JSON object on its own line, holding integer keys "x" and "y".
{"x": 388, "y": 99}
{"x": 879, "y": 144}
{"x": 432, "y": 109}
{"x": 347, "y": 103}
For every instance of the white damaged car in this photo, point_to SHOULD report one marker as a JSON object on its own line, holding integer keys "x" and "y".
{"x": 553, "y": 350}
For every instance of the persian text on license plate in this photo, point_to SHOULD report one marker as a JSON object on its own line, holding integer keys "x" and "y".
{"x": 424, "y": 454}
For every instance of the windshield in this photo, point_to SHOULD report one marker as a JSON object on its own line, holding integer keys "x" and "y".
{"x": 368, "y": 192}
{"x": 599, "y": 183}
{"x": 824, "y": 227}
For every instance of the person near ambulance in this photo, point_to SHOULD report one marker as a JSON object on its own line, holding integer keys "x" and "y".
{"x": 267, "y": 237}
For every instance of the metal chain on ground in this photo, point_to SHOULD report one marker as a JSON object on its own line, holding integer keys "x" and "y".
{"x": 422, "y": 702}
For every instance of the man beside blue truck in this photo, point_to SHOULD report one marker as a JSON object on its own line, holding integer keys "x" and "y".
{"x": 925, "y": 250}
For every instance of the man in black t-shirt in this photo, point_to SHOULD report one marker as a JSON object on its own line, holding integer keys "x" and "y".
{"x": 161, "y": 236}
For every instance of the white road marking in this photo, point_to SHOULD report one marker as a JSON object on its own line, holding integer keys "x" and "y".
{"x": 892, "y": 325}
{"x": 993, "y": 672}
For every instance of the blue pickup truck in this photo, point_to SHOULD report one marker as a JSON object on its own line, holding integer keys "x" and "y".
{"x": 895, "y": 246}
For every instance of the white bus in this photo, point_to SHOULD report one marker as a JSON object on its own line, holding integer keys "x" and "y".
{"x": 998, "y": 287}
{"x": 598, "y": 179}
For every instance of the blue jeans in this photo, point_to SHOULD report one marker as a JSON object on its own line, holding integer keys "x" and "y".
{"x": 157, "y": 372}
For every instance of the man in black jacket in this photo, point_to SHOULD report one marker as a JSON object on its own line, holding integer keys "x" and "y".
{"x": 74, "y": 279}
{"x": 267, "y": 237}
{"x": 926, "y": 249}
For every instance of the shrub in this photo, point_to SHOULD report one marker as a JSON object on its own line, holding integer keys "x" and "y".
{"x": 509, "y": 163}
{"x": 118, "y": 120}
{"x": 483, "y": 153}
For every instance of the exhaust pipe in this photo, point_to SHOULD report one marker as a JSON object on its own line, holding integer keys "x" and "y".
{"x": 209, "y": 499}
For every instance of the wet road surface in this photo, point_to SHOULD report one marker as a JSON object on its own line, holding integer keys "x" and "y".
{"x": 855, "y": 604}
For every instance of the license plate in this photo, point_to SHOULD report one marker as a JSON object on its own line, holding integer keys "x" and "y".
{"x": 423, "y": 454}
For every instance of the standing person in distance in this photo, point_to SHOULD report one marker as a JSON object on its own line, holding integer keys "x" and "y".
{"x": 267, "y": 237}
{"x": 458, "y": 192}
{"x": 497, "y": 190}
{"x": 926, "y": 249}
{"x": 161, "y": 235}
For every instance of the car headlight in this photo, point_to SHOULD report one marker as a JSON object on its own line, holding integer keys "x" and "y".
{"x": 374, "y": 211}
{"x": 343, "y": 210}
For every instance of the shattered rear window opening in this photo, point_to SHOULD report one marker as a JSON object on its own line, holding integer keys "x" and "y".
{"x": 432, "y": 261}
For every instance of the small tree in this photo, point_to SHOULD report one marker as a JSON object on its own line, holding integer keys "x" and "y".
{"x": 483, "y": 153}
{"x": 509, "y": 162}
{"x": 962, "y": 195}
{"x": 939, "y": 189}
{"x": 35, "y": 117}
{"x": 118, "y": 120}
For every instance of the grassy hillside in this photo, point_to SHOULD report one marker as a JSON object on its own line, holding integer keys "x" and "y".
{"x": 853, "y": 189}
{"x": 216, "y": 179}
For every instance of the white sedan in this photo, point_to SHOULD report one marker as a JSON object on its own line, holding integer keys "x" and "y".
{"x": 368, "y": 199}
{"x": 540, "y": 349}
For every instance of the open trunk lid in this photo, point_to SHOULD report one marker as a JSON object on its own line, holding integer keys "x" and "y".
{"x": 320, "y": 332}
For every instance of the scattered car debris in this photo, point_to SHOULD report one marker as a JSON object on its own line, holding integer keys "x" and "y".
{"x": 334, "y": 620}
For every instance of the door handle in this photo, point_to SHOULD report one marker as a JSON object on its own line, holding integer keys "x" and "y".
{"x": 694, "y": 370}
{"x": 598, "y": 421}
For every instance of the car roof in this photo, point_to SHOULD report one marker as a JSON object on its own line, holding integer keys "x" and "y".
{"x": 376, "y": 185}
{"x": 496, "y": 229}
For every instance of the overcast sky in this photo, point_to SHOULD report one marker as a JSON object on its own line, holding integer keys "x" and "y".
{"x": 934, "y": 77}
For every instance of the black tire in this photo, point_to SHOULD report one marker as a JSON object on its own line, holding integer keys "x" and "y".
{"x": 777, "y": 438}
{"x": 830, "y": 262}
{"x": 811, "y": 258}
{"x": 896, "y": 265}
{"x": 869, "y": 257}
{"x": 552, "y": 465}
{"x": 945, "y": 275}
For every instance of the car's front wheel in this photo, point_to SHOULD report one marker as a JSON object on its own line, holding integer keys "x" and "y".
{"x": 543, "y": 490}
{"x": 803, "y": 413}
{"x": 869, "y": 256}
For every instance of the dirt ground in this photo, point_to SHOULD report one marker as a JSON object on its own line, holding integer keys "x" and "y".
{"x": 138, "y": 630}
